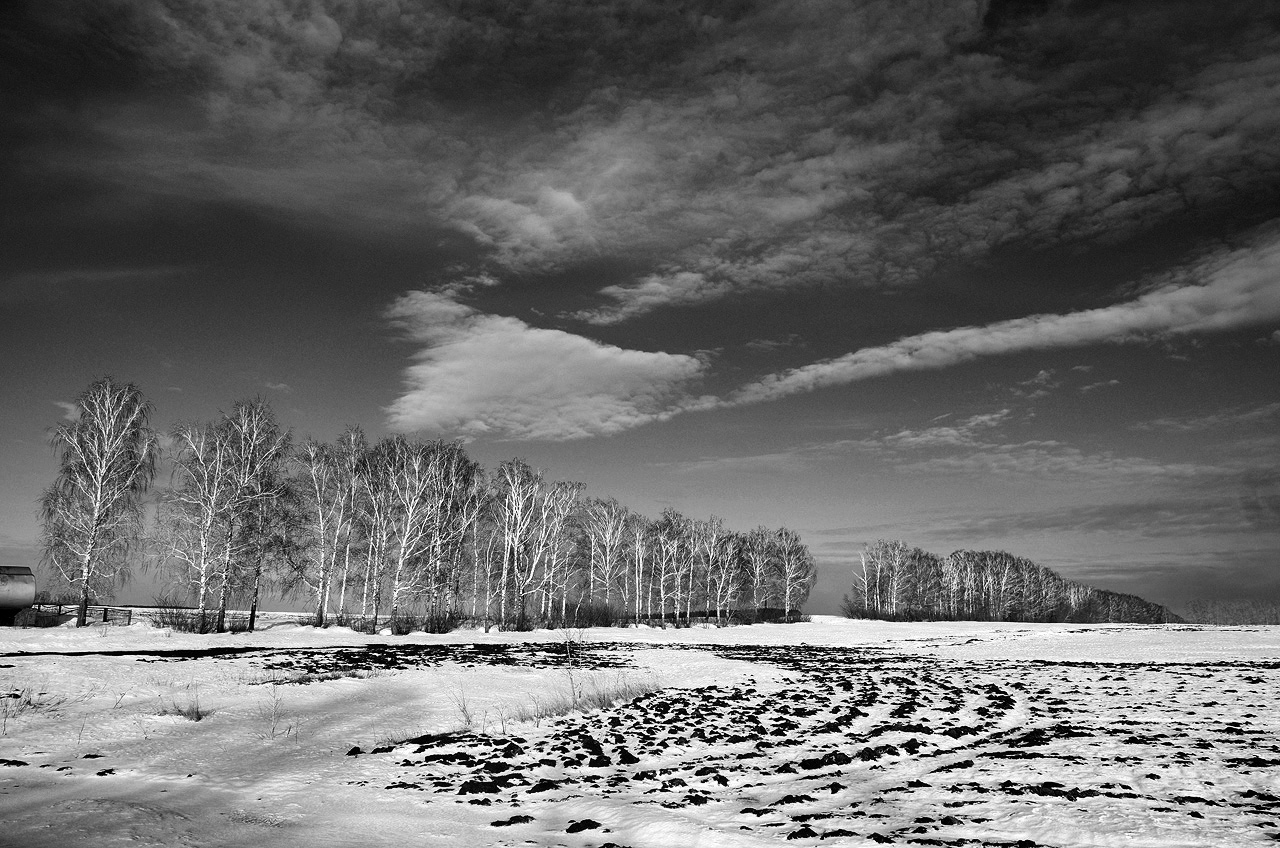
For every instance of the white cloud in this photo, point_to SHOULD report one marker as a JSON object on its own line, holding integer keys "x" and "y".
{"x": 771, "y": 345}
{"x": 675, "y": 289}
{"x": 1099, "y": 385}
{"x": 1238, "y": 417}
{"x": 1050, "y": 460}
{"x": 962, "y": 434}
{"x": 1225, "y": 291}
{"x": 781, "y": 462}
{"x": 482, "y": 374}
{"x": 1038, "y": 386}
{"x": 973, "y": 446}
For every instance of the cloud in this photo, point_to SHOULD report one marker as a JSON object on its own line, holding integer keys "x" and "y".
{"x": 481, "y": 374}
{"x": 70, "y": 411}
{"x": 962, "y": 434}
{"x": 1101, "y": 384}
{"x": 720, "y": 148}
{"x": 781, "y": 462}
{"x": 950, "y": 146}
{"x": 978, "y": 446}
{"x": 772, "y": 345}
{"x": 1148, "y": 518}
{"x": 1236, "y": 417}
{"x": 1177, "y": 575}
{"x": 1225, "y": 291}
{"x": 1038, "y": 386}
{"x": 1052, "y": 460}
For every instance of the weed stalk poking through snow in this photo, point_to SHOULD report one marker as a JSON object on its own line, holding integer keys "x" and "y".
{"x": 23, "y": 700}
{"x": 279, "y": 722}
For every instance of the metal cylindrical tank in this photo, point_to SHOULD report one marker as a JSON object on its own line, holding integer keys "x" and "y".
{"x": 17, "y": 591}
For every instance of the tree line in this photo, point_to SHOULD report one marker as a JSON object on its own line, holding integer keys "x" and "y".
{"x": 898, "y": 582}
{"x": 374, "y": 534}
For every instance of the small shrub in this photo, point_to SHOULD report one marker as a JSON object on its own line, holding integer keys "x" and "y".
{"x": 442, "y": 622}
{"x": 438, "y": 622}
{"x": 191, "y": 711}
{"x": 597, "y": 615}
{"x": 402, "y": 625}
{"x": 184, "y": 619}
{"x": 358, "y": 623}
{"x": 767, "y": 615}
{"x": 522, "y": 624}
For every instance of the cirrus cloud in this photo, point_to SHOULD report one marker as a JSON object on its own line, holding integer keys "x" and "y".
{"x": 1225, "y": 291}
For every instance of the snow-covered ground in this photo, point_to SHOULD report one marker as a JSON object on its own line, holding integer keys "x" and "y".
{"x": 834, "y": 732}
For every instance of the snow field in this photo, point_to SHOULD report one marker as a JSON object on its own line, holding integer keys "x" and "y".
{"x": 835, "y": 732}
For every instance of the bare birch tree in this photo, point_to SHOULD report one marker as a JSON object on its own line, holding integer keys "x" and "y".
{"x": 519, "y": 486}
{"x": 757, "y": 553}
{"x": 195, "y": 507}
{"x": 324, "y": 501}
{"x": 796, "y": 569}
{"x": 607, "y": 526}
{"x": 92, "y": 512}
{"x": 259, "y": 449}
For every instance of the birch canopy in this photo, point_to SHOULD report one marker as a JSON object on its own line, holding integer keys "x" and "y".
{"x": 92, "y": 511}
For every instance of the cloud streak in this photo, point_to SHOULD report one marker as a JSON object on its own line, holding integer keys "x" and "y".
{"x": 488, "y": 375}
{"x": 1258, "y": 415}
{"x": 1157, "y": 519}
{"x": 1226, "y": 291}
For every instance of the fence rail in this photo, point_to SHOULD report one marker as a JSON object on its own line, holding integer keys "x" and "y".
{"x": 97, "y": 614}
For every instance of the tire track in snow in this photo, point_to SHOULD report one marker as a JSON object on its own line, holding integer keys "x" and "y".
{"x": 865, "y": 746}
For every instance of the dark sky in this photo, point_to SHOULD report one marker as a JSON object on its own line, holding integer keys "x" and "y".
{"x": 997, "y": 275}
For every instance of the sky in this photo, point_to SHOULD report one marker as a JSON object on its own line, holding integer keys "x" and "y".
{"x": 998, "y": 275}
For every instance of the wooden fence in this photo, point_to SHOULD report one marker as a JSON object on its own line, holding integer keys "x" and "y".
{"x": 58, "y": 613}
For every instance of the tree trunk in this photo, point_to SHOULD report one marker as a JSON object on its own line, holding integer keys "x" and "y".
{"x": 253, "y": 606}
{"x": 202, "y": 596}
{"x": 342, "y": 590}
{"x": 223, "y": 594}
{"x": 82, "y": 612}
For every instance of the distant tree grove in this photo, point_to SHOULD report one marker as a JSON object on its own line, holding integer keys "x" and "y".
{"x": 898, "y": 582}
{"x": 409, "y": 533}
